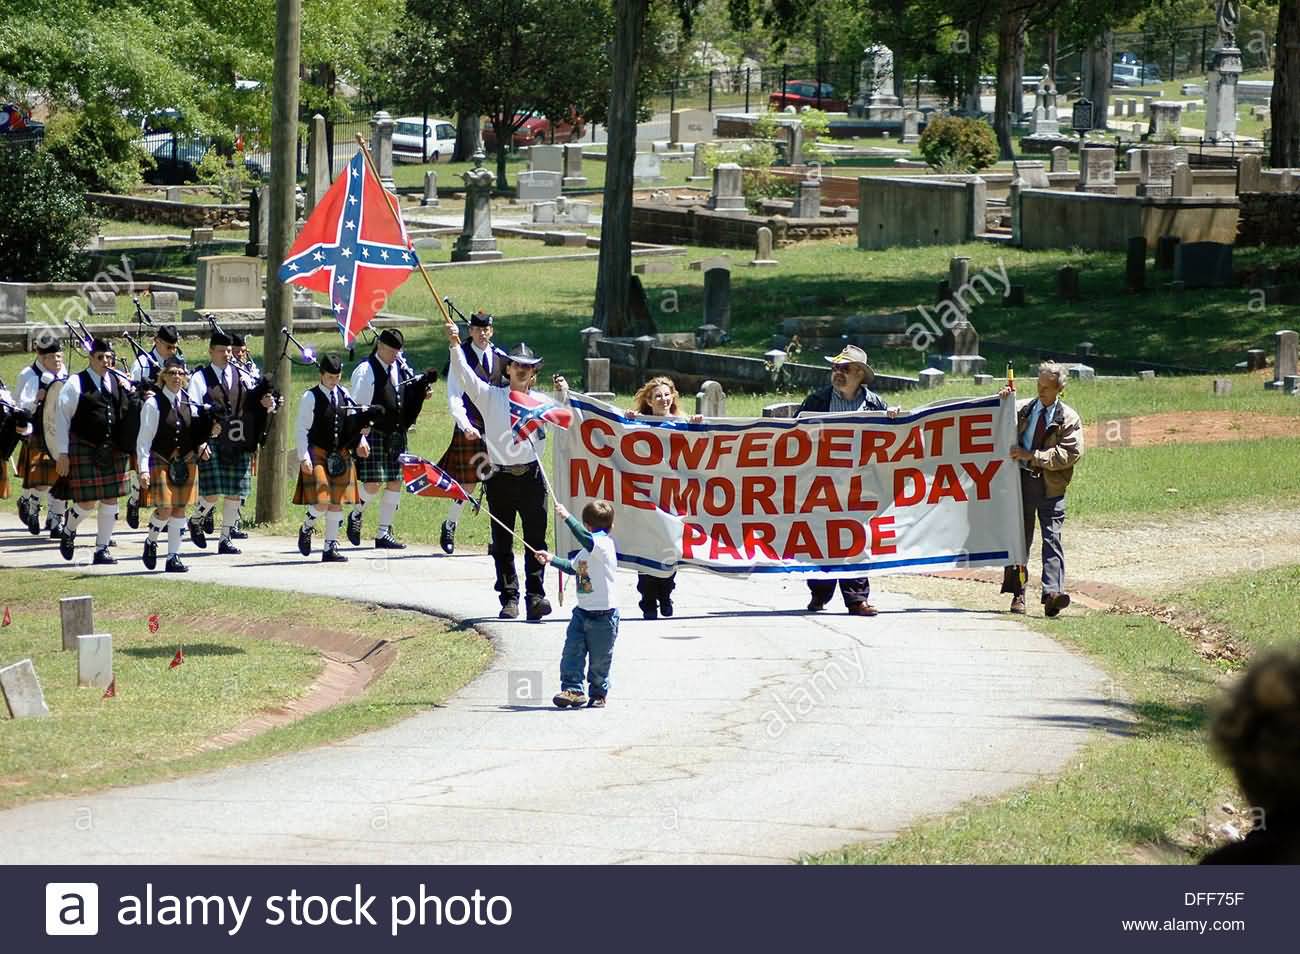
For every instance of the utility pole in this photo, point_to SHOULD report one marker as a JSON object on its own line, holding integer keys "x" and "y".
{"x": 271, "y": 470}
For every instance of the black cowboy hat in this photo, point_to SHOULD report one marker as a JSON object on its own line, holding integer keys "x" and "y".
{"x": 524, "y": 355}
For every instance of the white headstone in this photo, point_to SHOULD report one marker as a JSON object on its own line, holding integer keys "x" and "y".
{"x": 538, "y": 186}
{"x": 95, "y": 661}
{"x": 573, "y": 177}
{"x": 711, "y": 400}
{"x": 76, "y": 618}
{"x": 13, "y": 303}
{"x": 228, "y": 281}
{"x": 691, "y": 125}
{"x": 22, "y": 691}
{"x": 728, "y": 188}
{"x": 647, "y": 169}
{"x": 546, "y": 159}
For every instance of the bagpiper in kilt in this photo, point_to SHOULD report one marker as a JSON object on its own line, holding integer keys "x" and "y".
{"x": 37, "y": 467}
{"x": 330, "y": 425}
{"x": 385, "y": 382}
{"x": 91, "y": 410}
{"x": 466, "y": 457}
{"x": 145, "y": 370}
{"x": 173, "y": 437}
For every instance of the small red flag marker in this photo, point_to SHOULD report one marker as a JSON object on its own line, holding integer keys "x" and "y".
{"x": 111, "y": 691}
{"x": 154, "y": 622}
{"x": 177, "y": 659}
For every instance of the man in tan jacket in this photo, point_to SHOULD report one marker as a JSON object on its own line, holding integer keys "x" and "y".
{"x": 1049, "y": 443}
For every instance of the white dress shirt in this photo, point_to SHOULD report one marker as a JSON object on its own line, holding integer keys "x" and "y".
{"x": 455, "y": 392}
{"x": 306, "y": 411}
{"x": 494, "y": 404}
{"x": 144, "y": 369}
{"x": 199, "y": 382}
{"x": 363, "y": 381}
{"x": 69, "y": 398}
{"x": 150, "y": 418}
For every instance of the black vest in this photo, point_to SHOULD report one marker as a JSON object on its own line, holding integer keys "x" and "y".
{"x": 490, "y": 376}
{"x": 228, "y": 402}
{"x": 175, "y": 427}
{"x": 327, "y": 422}
{"x": 97, "y": 413}
{"x": 386, "y": 396}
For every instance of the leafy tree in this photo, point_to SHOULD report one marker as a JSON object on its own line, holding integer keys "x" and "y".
{"x": 1284, "y": 150}
{"x": 46, "y": 221}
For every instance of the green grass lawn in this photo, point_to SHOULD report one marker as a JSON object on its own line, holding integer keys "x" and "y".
{"x": 1123, "y": 794}
{"x": 160, "y": 716}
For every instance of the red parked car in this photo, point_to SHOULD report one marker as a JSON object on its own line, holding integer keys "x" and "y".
{"x": 801, "y": 93}
{"x": 536, "y": 130}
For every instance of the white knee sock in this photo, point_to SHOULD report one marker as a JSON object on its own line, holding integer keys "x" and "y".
{"x": 310, "y": 519}
{"x": 365, "y": 498}
{"x": 75, "y": 516}
{"x": 156, "y": 526}
{"x": 57, "y": 506}
{"x": 203, "y": 509}
{"x": 387, "y": 509}
{"x": 333, "y": 520}
{"x": 174, "y": 528}
{"x": 229, "y": 513}
{"x": 453, "y": 512}
{"x": 104, "y": 528}
{"x": 39, "y": 497}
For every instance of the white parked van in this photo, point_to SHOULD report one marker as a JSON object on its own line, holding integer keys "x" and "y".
{"x": 409, "y": 140}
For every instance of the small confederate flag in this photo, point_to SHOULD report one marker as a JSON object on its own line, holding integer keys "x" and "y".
{"x": 154, "y": 622}
{"x": 528, "y": 414}
{"x": 352, "y": 248}
{"x": 177, "y": 659}
{"x": 8, "y": 620}
{"x": 111, "y": 691}
{"x": 426, "y": 479}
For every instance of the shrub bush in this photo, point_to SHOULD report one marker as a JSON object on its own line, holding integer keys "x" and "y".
{"x": 46, "y": 221}
{"x": 958, "y": 144}
{"x": 98, "y": 147}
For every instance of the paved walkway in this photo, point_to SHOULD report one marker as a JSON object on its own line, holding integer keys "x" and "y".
{"x": 742, "y": 730}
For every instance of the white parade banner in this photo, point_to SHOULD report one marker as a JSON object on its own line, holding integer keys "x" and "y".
{"x": 822, "y": 496}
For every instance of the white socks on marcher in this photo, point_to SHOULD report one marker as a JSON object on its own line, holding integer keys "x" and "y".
{"x": 453, "y": 512}
{"x": 229, "y": 514}
{"x": 387, "y": 509}
{"x": 333, "y": 520}
{"x": 156, "y": 526}
{"x": 104, "y": 527}
{"x": 175, "y": 526}
{"x": 310, "y": 519}
{"x": 365, "y": 498}
{"x": 75, "y": 516}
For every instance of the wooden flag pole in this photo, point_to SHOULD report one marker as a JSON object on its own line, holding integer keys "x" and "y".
{"x": 391, "y": 201}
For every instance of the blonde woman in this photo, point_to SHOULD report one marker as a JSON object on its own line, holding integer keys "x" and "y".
{"x": 657, "y": 398}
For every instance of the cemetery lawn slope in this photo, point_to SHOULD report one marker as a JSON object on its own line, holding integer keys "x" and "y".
{"x": 1139, "y": 794}
{"x": 232, "y": 670}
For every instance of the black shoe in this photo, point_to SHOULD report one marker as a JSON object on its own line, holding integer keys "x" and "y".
{"x": 238, "y": 534}
{"x": 133, "y": 514}
{"x": 24, "y": 510}
{"x": 151, "y": 554}
{"x": 354, "y": 528}
{"x": 389, "y": 542}
{"x": 509, "y": 610}
{"x": 304, "y": 539}
{"x": 666, "y": 607}
{"x": 816, "y": 606}
{"x": 210, "y": 522}
{"x": 197, "y": 535}
{"x": 34, "y": 520}
{"x": 55, "y": 526}
{"x": 104, "y": 558}
{"x": 649, "y": 610}
{"x": 537, "y": 608}
{"x": 331, "y": 554}
{"x": 174, "y": 565}
{"x": 67, "y": 543}
{"x": 448, "y": 539}
{"x": 226, "y": 548}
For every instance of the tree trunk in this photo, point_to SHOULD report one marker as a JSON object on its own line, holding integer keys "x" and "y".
{"x": 1284, "y": 153}
{"x": 971, "y": 85}
{"x": 1052, "y": 46}
{"x": 505, "y": 134}
{"x": 613, "y": 273}
{"x": 1095, "y": 79}
{"x": 467, "y": 135}
{"x": 1011, "y": 37}
{"x": 1018, "y": 86}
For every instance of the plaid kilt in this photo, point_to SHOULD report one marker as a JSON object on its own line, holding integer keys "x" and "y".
{"x": 37, "y": 467}
{"x": 320, "y": 489}
{"x": 462, "y": 457}
{"x": 227, "y": 473}
{"x": 88, "y": 479}
{"x": 382, "y": 464}
{"x": 161, "y": 492}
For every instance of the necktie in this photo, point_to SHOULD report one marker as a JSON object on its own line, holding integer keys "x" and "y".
{"x": 1040, "y": 430}
{"x": 334, "y": 401}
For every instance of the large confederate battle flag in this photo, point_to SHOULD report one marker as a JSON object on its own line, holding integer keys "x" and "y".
{"x": 528, "y": 415}
{"x": 352, "y": 248}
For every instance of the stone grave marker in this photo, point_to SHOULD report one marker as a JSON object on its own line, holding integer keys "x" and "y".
{"x": 717, "y": 298}
{"x": 690, "y": 125}
{"x": 1061, "y": 158}
{"x": 763, "y": 248}
{"x": 430, "y": 198}
{"x": 1096, "y": 170}
{"x": 566, "y": 239}
{"x": 808, "y": 205}
{"x": 699, "y": 169}
{"x": 1222, "y": 387}
{"x": 728, "y": 188}
{"x": 1284, "y": 360}
{"x": 259, "y": 218}
{"x": 1157, "y": 173}
{"x": 22, "y": 691}
{"x": 538, "y": 186}
{"x": 544, "y": 213}
{"x": 930, "y": 378}
{"x": 1032, "y": 174}
{"x": 76, "y": 618}
{"x": 1203, "y": 264}
{"x": 708, "y": 336}
{"x": 13, "y": 303}
{"x": 1146, "y": 374}
{"x": 782, "y": 409}
{"x": 546, "y": 159}
{"x": 647, "y": 169}
{"x": 573, "y": 176}
{"x": 595, "y": 375}
{"x": 202, "y": 236}
{"x": 578, "y": 211}
{"x": 381, "y": 147}
{"x": 1182, "y": 184}
{"x": 95, "y": 661}
{"x": 1166, "y": 121}
{"x": 164, "y": 306}
{"x": 101, "y": 303}
{"x": 1166, "y": 248}
{"x": 652, "y": 268}
{"x": 715, "y": 261}
{"x": 318, "y": 162}
{"x": 711, "y": 400}
{"x": 983, "y": 380}
{"x": 1082, "y": 372}
{"x": 911, "y": 127}
{"x": 228, "y": 281}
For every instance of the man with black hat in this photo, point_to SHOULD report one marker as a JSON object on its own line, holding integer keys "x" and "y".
{"x": 90, "y": 410}
{"x": 36, "y": 465}
{"x": 145, "y": 370}
{"x": 378, "y": 381}
{"x": 327, "y": 479}
{"x": 466, "y": 455}
{"x": 173, "y": 437}
{"x": 227, "y": 473}
{"x": 851, "y": 376}
{"x": 515, "y": 486}
{"x": 244, "y": 363}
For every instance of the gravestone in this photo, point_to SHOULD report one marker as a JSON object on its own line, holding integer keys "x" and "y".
{"x": 1166, "y": 249}
{"x": 1222, "y": 76}
{"x": 1284, "y": 361}
{"x": 878, "y": 76}
{"x": 652, "y": 268}
{"x": 708, "y": 336}
{"x": 690, "y": 125}
{"x": 1082, "y": 372}
{"x": 101, "y": 303}
{"x": 638, "y": 310}
{"x": 1291, "y": 384}
{"x": 983, "y": 380}
{"x": 728, "y": 189}
{"x": 539, "y": 186}
{"x": 1256, "y": 359}
{"x": 1031, "y": 174}
{"x": 930, "y": 378}
{"x": 13, "y": 303}
{"x": 1135, "y": 265}
{"x": 76, "y": 618}
{"x": 164, "y": 306}
{"x": 1067, "y": 283}
{"x": 1146, "y": 374}
{"x": 430, "y": 198}
{"x": 1166, "y": 121}
{"x": 595, "y": 375}
{"x": 318, "y": 163}
{"x": 1131, "y": 107}
{"x": 1222, "y": 387}
{"x": 963, "y": 365}
{"x": 259, "y": 222}
{"x": 647, "y": 169}
{"x": 699, "y": 168}
{"x": 1248, "y": 173}
{"x": 711, "y": 400}
{"x": 546, "y": 159}
{"x": 1045, "y": 121}
{"x": 565, "y": 239}
{"x": 782, "y": 409}
{"x": 717, "y": 298}
{"x": 1086, "y": 348}
{"x": 1203, "y": 264}
{"x": 22, "y": 691}
{"x": 95, "y": 661}
{"x": 808, "y": 205}
{"x": 1182, "y": 185}
{"x": 793, "y": 146}
{"x": 958, "y": 272}
{"x": 381, "y": 148}
{"x": 228, "y": 281}
{"x": 578, "y": 212}
{"x": 202, "y": 236}
{"x": 713, "y": 261}
{"x": 911, "y": 127}
{"x": 1060, "y": 159}
{"x": 1157, "y": 173}
{"x": 475, "y": 242}
{"x": 544, "y": 213}
{"x": 573, "y": 176}
{"x": 960, "y": 339}
{"x": 1096, "y": 170}
{"x": 591, "y": 336}
{"x": 763, "y": 251}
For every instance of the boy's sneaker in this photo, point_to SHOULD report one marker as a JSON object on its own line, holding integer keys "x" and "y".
{"x": 570, "y": 699}
{"x": 597, "y": 702}
{"x": 665, "y": 607}
{"x": 649, "y": 610}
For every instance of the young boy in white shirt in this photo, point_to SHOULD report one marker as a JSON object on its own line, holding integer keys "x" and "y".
{"x": 594, "y": 625}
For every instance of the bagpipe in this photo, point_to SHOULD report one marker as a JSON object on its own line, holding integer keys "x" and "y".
{"x": 144, "y": 320}
{"x": 14, "y": 422}
{"x": 415, "y": 387}
{"x": 244, "y": 428}
{"x": 130, "y": 396}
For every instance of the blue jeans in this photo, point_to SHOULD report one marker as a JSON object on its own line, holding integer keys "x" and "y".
{"x": 589, "y": 639}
